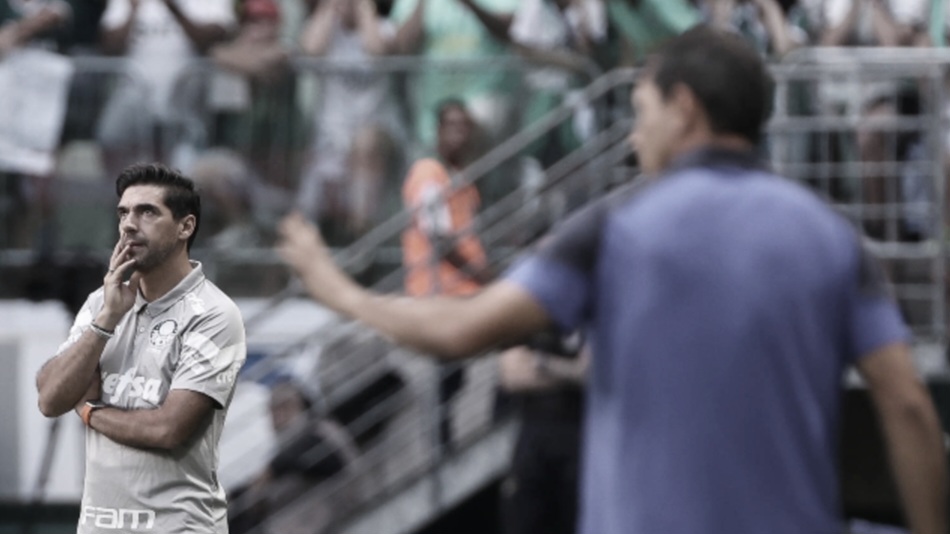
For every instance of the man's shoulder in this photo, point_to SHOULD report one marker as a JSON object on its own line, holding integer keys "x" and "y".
{"x": 208, "y": 298}
{"x": 620, "y": 199}
{"x": 753, "y": 181}
{"x": 212, "y": 313}
{"x": 764, "y": 196}
{"x": 577, "y": 238}
{"x": 623, "y": 194}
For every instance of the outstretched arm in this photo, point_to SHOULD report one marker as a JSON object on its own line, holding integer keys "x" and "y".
{"x": 913, "y": 436}
{"x": 446, "y": 327}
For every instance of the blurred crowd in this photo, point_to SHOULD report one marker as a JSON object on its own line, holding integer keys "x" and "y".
{"x": 324, "y": 105}
{"x": 273, "y": 104}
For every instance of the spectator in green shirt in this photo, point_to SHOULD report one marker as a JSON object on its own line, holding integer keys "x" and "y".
{"x": 451, "y": 29}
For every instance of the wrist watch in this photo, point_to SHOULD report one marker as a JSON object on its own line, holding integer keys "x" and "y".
{"x": 88, "y": 408}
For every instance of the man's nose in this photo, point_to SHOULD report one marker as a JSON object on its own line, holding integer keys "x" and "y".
{"x": 129, "y": 224}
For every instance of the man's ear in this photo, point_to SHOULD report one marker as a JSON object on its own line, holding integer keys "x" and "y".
{"x": 187, "y": 227}
{"x": 684, "y": 100}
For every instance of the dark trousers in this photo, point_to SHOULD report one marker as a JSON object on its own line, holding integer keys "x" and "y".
{"x": 541, "y": 492}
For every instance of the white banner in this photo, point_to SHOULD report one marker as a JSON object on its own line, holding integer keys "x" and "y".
{"x": 34, "y": 86}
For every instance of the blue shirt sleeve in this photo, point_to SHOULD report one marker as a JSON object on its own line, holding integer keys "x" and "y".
{"x": 559, "y": 273}
{"x": 874, "y": 320}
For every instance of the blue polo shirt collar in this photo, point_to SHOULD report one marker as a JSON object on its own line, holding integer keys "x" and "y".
{"x": 714, "y": 156}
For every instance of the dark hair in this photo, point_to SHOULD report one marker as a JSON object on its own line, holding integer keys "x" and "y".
{"x": 445, "y": 105}
{"x": 181, "y": 196}
{"x": 727, "y": 76}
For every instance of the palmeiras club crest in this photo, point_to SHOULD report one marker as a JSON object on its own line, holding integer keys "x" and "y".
{"x": 163, "y": 333}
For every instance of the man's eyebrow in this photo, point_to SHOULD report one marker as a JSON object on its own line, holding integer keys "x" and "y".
{"x": 138, "y": 207}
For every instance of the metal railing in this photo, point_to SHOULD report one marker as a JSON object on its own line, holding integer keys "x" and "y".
{"x": 867, "y": 128}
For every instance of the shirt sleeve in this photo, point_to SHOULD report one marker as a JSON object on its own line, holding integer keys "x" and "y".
{"x": 874, "y": 320}
{"x": 82, "y": 321}
{"x": 559, "y": 274}
{"x": 212, "y": 353}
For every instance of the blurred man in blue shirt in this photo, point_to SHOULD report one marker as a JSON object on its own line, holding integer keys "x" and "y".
{"x": 722, "y": 303}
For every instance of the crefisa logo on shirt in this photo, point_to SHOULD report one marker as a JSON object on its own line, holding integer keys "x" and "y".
{"x": 163, "y": 333}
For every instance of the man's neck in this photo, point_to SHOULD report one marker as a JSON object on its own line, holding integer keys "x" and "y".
{"x": 155, "y": 284}
{"x": 720, "y": 141}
